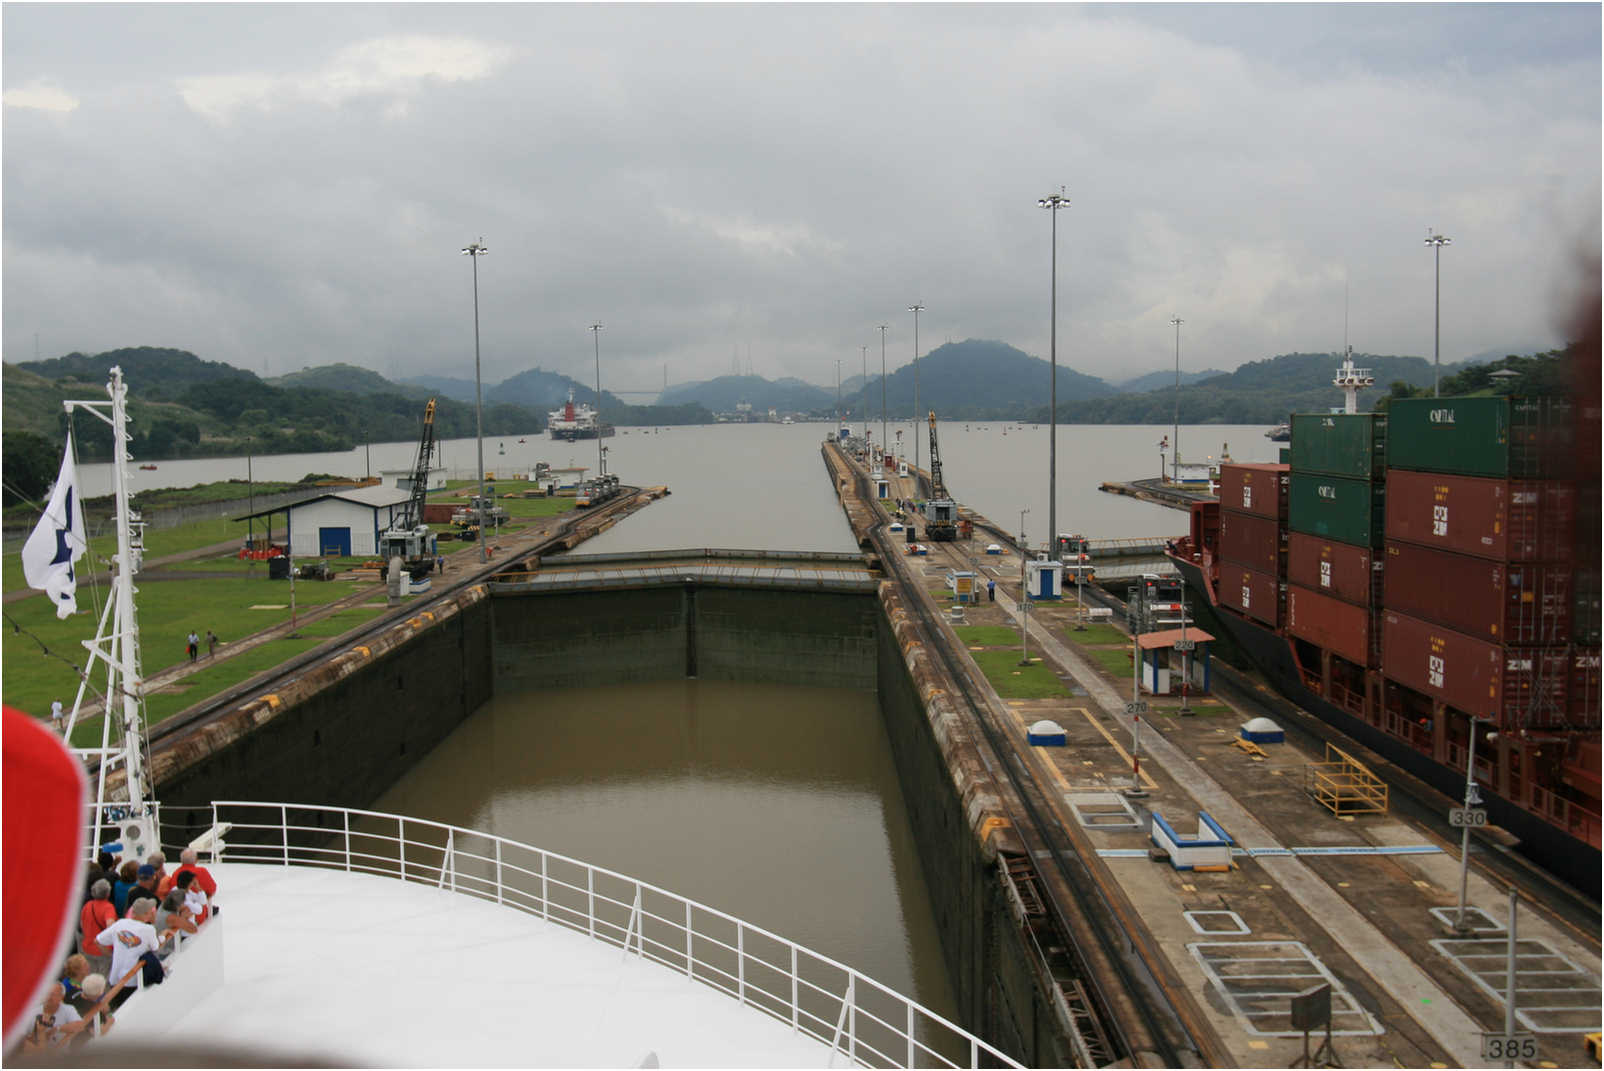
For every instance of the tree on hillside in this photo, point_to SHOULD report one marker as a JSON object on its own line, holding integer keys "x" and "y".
{"x": 30, "y": 465}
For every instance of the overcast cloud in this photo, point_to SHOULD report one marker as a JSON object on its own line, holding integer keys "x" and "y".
{"x": 278, "y": 186}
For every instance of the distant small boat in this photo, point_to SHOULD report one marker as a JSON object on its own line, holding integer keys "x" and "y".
{"x": 148, "y": 468}
{"x": 1281, "y": 433}
{"x": 523, "y": 440}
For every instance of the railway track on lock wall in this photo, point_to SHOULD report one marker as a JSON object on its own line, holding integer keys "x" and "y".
{"x": 560, "y": 539}
{"x": 1131, "y": 1007}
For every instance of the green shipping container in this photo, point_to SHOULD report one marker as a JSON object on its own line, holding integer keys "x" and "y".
{"x": 1335, "y": 507}
{"x": 1286, "y": 455}
{"x": 1340, "y": 444}
{"x": 1501, "y": 438}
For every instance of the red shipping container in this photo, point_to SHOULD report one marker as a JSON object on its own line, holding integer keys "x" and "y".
{"x": 1583, "y": 696}
{"x": 1503, "y": 520}
{"x": 1473, "y": 676}
{"x": 1326, "y": 622}
{"x": 1250, "y": 591}
{"x": 1329, "y": 567}
{"x": 1512, "y": 603}
{"x": 1257, "y": 489}
{"x": 1251, "y": 541}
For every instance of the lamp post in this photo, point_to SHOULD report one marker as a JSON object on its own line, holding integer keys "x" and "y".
{"x": 864, "y": 406}
{"x": 1024, "y": 592}
{"x": 1472, "y": 799}
{"x": 475, "y": 250}
{"x": 1175, "y": 443}
{"x": 885, "y": 443}
{"x": 1053, "y": 203}
{"x": 916, "y": 309}
{"x": 835, "y": 433}
{"x": 1437, "y": 241}
{"x": 601, "y": 459}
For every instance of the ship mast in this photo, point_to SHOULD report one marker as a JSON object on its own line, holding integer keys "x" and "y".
{"x": 116, "y": 645}
{"x": 1352, "y": 380}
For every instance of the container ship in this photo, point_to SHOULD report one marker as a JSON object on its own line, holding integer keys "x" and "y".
{"x": 573, "y": 422}
{"x": 1416, "y": 576}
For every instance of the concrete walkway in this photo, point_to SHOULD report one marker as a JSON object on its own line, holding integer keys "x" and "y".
{"x": 1389, "y": 966}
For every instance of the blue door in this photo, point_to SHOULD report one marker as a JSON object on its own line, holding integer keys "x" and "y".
{"x": 334, "y": 542}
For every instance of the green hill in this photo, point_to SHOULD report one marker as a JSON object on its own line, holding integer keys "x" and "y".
{"x": 348, "y": 378}
{"x": 978, "y": 379}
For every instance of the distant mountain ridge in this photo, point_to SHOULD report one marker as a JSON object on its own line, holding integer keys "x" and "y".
{"x": 1160, "y": 379}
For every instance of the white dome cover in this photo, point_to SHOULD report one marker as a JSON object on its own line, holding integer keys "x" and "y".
{"x": 1047, "y": 728}
{"x": 1261, "y": 725}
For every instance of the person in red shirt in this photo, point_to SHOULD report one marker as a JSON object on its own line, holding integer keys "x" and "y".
{"x": 97, "y": 914}
{"x": 203, "y": 877}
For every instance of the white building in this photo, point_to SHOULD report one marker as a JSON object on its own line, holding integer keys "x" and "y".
{"x": 340, "y": 524}
{"x": 401, "y": 479}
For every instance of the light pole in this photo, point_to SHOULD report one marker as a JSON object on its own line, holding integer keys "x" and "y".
{"x": 1175, "y": 443}
{"x": 864, "y": 406}
{"x": 601, "y": 461}
{"x": 885, "y": 443}
{"x": 916, "y": 309}
{"x": 1024, "y": 592}
{"x": 836, "y": 432}
{"x": 1053, "y": 203}
{"x": 475, "y": 250}
{"x": 1136, "y": 791}
{"x": 1437, "y": 241}
{"x": 1472, "y": 799}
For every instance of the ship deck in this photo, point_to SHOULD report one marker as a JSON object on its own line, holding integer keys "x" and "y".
{"x": 321, "y": 967}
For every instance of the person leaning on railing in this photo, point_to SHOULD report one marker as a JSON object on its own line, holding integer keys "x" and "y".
{"x": 172, "y": 918}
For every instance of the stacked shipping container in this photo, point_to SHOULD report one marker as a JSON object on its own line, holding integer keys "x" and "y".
{"x": 1336, "y": 499}
{"x": 1480, "y": 590}
{"x": 1253, "y": 510}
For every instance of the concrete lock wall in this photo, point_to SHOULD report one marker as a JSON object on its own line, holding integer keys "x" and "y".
{"x": 568, "y": 639}
{"x": 988, "y": 961}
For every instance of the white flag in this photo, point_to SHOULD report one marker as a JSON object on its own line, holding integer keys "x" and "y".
{"x": 58, "y": 541}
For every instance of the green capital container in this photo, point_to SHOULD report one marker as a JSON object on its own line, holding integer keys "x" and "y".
{"x": 1340, "y": 444}
{"x": 1336, "y": 507}
{"x": 1495, "y": 437}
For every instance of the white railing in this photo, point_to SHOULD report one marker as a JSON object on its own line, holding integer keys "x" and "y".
{"x": 867, "y": 1022}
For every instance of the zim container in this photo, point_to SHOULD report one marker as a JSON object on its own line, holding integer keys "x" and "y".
{"x": 1340, "y": 444}
{"x": 1331, "y": 568}
{"x": 1519, "y": 603}
{"x": 1256, "y": 594}
{"x": 1331, "y": 623}
{"x": 1505, "y": 520}
{"x": 1583, "y": 697}
{"x": 1257, "y": 489}
{"x": 1496, "y": 437}
{"x": 1336, "y": 507}
{"x": 1251, "y": 541}
{"x": 1515, "y": 686}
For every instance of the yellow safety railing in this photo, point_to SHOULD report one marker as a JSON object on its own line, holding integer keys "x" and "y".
{"x": 1345, "y": 785}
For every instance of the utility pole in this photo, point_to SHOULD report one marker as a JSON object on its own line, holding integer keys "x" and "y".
{"x": 1024, "y": 592}
{"x": 864, "y": 355}
{"x": 1472, "y": 799}
{"x": 1053, "y": 203}
{"x": 1175, "y": 443}
{"x": 916, "y": 309}
{"x": 601, "y": 459}
{"x": 475, "y": 250}
{"x": 885, "y": 443}
{"x": 1437, "y": 241}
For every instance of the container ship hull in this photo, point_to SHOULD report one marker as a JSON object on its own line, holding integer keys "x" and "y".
{"x": 1272, "y": 654}
{"x": 1426, "y": 582}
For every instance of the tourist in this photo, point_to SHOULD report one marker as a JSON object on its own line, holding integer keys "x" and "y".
{"x": 55, "y": 1022}
{"x": 133, "y": 940}
{"x": 96, "y": 915}
{"x": 97, "y": 1020}
{"x": 73, "y": 974}
{"x": 174, "y": 916}
{"x": 159, "y": 861}
{"x": 991, "y": 590}
{"x": 194, "y": 645}
{"x": 58, "y": 720}
{"x": 127, "y": 878}
{"x": 211, "y": 644}
{"x": 187, "y": 860}
{"x": 188, "y": 883}
{"x": 144, "y": 888}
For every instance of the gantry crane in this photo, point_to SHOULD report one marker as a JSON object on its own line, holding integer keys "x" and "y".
{"x": 408, "y": 538}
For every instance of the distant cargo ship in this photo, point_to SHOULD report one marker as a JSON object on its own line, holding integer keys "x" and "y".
{"x": 1416, "y": 576}
{"x": 573, "y": 422}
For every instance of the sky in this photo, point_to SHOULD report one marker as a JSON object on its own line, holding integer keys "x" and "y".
{"x": 758, "y": 188}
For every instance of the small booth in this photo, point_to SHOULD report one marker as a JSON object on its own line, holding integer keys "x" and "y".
{"x": 1164, "y": 653}
{"x": 1044, "y": 579}
{"x": 961, "y": 582}
{"x": 882, "y": 488}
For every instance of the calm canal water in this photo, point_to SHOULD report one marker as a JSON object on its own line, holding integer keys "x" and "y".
{"x": 779, "y": 805}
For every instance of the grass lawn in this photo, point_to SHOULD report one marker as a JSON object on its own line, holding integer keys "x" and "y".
{"x": 1115, "y": 662}
{"x": 158, "y": 542}
{"x": 988, "y": 635}
{"x": 168, "y": 609}
{"x": 1097, "y": 633}
{"x": 1014, "y": 681}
